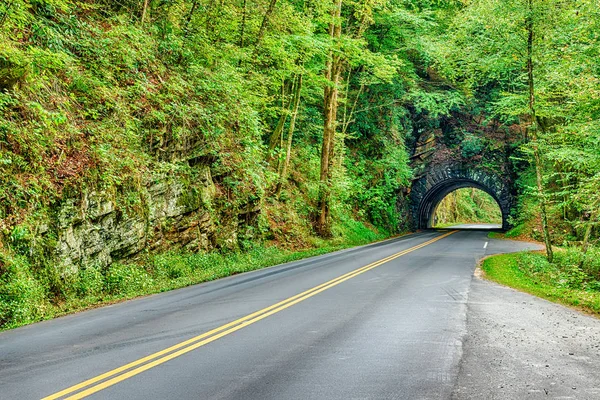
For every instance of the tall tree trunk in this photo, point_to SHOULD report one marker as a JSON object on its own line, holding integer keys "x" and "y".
{"x": 586, "y": 243}
{"x": 332, "y": 74}
{"x": 347, "y": 116}
{"x": 275, "y": 139}
{"x": 534, "y": 134}
{"x": 288, "y": 151}
{"x": 455, "y": 206}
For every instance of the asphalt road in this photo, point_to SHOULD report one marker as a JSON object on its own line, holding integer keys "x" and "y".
{"x": 311, "y": 329}
{"x": 475, "y": 226}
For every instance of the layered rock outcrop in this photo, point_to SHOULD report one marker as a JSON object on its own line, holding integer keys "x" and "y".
{"x": 95, "y": 231}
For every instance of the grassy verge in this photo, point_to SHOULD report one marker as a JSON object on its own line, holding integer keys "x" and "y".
{"x": 521, "y": 232}
{"x": 561, "y": 282}
{"x": 26, "y": 299}
{"x": 497, "y": 235}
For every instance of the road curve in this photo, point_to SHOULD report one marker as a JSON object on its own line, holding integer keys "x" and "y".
{"x": 383, "y": 321}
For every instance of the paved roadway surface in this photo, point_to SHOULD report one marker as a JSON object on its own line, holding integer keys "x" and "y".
{"x": 404, "y": 329}
{"x": 475, "y": 226}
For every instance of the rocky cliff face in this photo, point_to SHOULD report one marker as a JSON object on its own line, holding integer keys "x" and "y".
{"x": 95, "y": 230}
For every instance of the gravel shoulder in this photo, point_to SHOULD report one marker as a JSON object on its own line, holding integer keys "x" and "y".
{"x": 518, "y": 346}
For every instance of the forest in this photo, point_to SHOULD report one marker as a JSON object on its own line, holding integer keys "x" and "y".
{"x": 145, "y": 144}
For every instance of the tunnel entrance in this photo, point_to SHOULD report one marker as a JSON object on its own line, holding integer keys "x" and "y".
{"x": 467, "y": 208}
{"x": 430, "y": 189}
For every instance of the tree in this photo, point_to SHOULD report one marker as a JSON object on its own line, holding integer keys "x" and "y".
{"x": 333, "y": 71}
{"x": 503, "y": 53}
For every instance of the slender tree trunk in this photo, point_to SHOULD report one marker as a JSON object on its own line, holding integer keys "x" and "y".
{"x": 347, "y": 117}
{"x": 332, "y": 74}
{"x": 534, "y": 134}
{"x": 3, "y": 19}
{"x": 243, "y": 25}
{"x": 586, "y": 242}
{"x": 277, "y": 135}
{"x": 455, "y": 206}
{"x": 265, "y": 21}
{"x": 288, "y": 151}
{"x": 189, "y": 17}
{"x": 208, "y": 14}
{"x": 275, "y": 139}
{"x": 144, "y": 11}
{"x": 585, "y": 245}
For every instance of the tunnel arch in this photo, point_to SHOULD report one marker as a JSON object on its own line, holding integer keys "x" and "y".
{"x": 439, "y": 181}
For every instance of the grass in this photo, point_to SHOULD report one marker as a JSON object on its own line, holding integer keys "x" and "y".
{"x": 531, "y": 273}
{"x": 496, "y": 235}
{"x": 518, "y": 232}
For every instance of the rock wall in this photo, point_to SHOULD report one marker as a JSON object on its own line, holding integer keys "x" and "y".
{"x": 95, "y": 231}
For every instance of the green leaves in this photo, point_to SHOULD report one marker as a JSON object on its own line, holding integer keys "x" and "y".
{"x": 485, "y": 54}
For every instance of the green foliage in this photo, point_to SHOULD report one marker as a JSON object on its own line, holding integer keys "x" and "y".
{"x": 90, "y": 282}
{"x": 517, "y": 231}
{"x": 569, "y": 270}
{"x": 23, "y": 299}
{"x": 94, "y": 99}
{"x": 127, "y": 279}
{"x": 375, "y": 185}
{"x": 471, "y": 146}
{"x": 468, "y": 205}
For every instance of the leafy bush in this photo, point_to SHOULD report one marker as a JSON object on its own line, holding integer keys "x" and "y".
{"x": 534, "y": 263}
{"x": 532, "y": 273}
{"x": 471, "y": 146}
{"x": 23, "y": 298}
{"x": 89, "y": 282}
{"x": 171, "y": 266}
{"x": 569, "y": 268}
{"x": 354, "y": 231}
{"x": 516, "y": 231}
{"x": 127, "y": 279}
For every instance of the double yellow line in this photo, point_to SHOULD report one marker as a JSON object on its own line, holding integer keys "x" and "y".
{"x": 120, "y": 374}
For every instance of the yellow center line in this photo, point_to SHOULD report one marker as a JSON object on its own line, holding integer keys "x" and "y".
{"x": 192, "y": 340}
{"x": 163, "y": 356}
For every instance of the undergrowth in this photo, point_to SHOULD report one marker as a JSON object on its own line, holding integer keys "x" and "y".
{"x": 566, "y": 280}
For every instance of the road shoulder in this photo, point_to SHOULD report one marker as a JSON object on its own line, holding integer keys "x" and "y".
{"x": 519, "y": 346}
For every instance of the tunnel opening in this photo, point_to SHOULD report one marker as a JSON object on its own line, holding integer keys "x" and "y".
{"x": 430, "y": 188}
{"x": 467, "y": 208}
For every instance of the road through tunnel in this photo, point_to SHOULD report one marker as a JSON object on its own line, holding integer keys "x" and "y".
{"x": 430, "y": 189}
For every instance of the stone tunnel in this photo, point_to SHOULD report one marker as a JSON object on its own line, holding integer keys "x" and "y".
{"x": 440, "y": 180}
